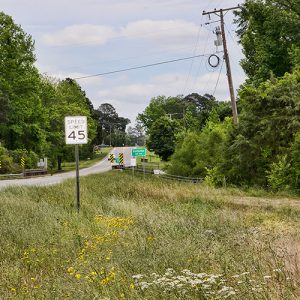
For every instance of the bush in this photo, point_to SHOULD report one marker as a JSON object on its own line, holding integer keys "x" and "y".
{"x": 280, "y": 177}
{"x": 6, "y": 161}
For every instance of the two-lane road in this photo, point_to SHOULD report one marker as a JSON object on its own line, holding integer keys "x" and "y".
{"x": 100, "y": 167}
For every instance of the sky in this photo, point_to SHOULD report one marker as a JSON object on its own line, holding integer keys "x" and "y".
{"x": 77, "y": 38}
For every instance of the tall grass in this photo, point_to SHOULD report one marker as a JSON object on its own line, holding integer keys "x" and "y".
{"x": 145, "y": 239}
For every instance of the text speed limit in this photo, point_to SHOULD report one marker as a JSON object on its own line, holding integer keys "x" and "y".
{"x": 76, "y": 130}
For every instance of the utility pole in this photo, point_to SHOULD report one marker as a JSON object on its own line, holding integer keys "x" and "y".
{"x": 220, "y": 13}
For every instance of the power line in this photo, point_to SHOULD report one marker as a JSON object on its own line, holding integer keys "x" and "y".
{"x": 192, "y": 62}
{"x": 218, "y": 78}
{"x": 141, "y": 67}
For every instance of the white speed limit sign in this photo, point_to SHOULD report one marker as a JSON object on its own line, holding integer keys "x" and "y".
{"x": 76, "y": 130}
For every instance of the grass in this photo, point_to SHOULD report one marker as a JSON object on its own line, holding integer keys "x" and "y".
{"x": 146, "y": 239}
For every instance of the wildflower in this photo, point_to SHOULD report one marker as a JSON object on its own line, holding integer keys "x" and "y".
{"x": 131, "y": 286}
{"x": 267, "y": 277}
{"x": 277, "y": 270}
{"x": 150, "y": 238}
{"x": 78, "y": 276}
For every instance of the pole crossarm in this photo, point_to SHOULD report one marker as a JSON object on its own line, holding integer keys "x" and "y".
{"x": 219, "y": 10}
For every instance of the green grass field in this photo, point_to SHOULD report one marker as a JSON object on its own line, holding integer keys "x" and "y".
{"x": 147, "y": 239}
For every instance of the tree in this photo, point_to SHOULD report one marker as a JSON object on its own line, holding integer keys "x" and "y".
{"x": 158, "y": 107}
{"x": 192, "y": 110}
{"x": 200, "y": 152}
{"x": 269, "y": 122}
{"x": 135, "y": 135}
{"x": 268, "y": 30}
{"x": 110, "y": 127}
{"x": 61, "y": 99}
{"x": 22, "y": 114}
{"x": 203, "y": 105}
{"x": 162, "y": 137}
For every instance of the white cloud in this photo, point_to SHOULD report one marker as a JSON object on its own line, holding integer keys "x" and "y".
{"x": 166, "y": 33}
{"x": 80, "y": 35}
{"x": 159, "y": 30}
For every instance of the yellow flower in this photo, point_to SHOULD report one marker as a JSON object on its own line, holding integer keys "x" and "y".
{"x": 131, "y": 286}
{"x": 78, "y": 276}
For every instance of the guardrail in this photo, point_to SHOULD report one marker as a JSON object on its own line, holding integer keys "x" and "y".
{"x": 11, "y": 175}
{"x": 28, "y": 173}
{"x": 34, "y": 172}
{"x": 168, "y": 176}
{"x": 181, "y": 178}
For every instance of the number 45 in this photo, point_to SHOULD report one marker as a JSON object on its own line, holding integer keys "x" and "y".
{"x": 81, "y": 135}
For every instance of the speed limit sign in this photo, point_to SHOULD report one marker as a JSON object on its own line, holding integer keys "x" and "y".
{"x": 76, "y": 130}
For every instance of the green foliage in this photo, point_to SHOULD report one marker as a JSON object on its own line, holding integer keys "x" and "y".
{"x": 162, "y": 137}
{"x": 110, "y": 126}
{"x": 270, "y": 37}
{"x": 6, "y": 161}
{"x": 279, "y": 175}
{"x": 203, "y": 151}
{"x": 191, "y": 111}
{"x": 268, "y": 124}
{"x": 22, "y": 114}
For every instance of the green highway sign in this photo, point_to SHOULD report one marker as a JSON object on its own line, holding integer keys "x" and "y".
{"x": 117, "y": 160}
{"x": 138, "y": 152}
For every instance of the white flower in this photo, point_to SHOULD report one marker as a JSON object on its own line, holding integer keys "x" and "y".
{"x": 138, "y": 276}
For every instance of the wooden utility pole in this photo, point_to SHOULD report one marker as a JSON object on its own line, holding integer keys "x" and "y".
{"x": 220, "y": 13}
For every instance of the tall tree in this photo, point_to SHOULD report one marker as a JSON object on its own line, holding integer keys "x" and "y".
{"x": 269, "y": 34}
{"x": 61, "y": 99}
{"x": 110, "y": 126}
{"x": 269, "y": 122}
{"x": 162, "y": 137}
{"x": 21, "y": 108}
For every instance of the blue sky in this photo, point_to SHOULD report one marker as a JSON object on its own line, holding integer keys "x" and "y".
{"x": 75, "y": 38}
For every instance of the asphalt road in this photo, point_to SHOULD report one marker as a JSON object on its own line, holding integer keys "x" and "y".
{"x": 100, "y": 167}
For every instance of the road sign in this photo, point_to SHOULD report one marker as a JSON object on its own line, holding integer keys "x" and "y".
{"x": 23, "y": 162}
{"x": 111, "y": 158}
{"x": 76, "y": 130}
{"x": 138, "y": 152}
{"x": 133, "y": 162}
{"x": 121, "y": 158}
{"x": 76, "y": 134}
{"x": 117, "y": 160}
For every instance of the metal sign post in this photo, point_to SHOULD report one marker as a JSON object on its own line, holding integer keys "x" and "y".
{"x": 76, "y": 134}
{"x": 133, "y": 164}
{"x": 77, "y": 177}
{"x": 136, "y": 152}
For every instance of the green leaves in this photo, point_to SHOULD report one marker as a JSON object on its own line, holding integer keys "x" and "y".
{"x": 270, "y": 37}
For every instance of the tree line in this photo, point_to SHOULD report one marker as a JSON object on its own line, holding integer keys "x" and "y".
{"x": 196, "y": 133}
{"x": 33, "y": 107}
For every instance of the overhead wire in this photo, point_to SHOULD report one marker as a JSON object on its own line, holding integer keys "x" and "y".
{"x": 192, "y": 62}
{"x": 217, "y": 83}
{"x": 140, "y": 67}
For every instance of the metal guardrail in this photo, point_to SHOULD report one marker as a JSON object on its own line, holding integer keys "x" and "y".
{"x": 170, "y": 177}
{"x": 11, "y": 175}
{"x": 34, "y": 172}
{"x": 181, "y": 178}
{"x": 28, "y": 173}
